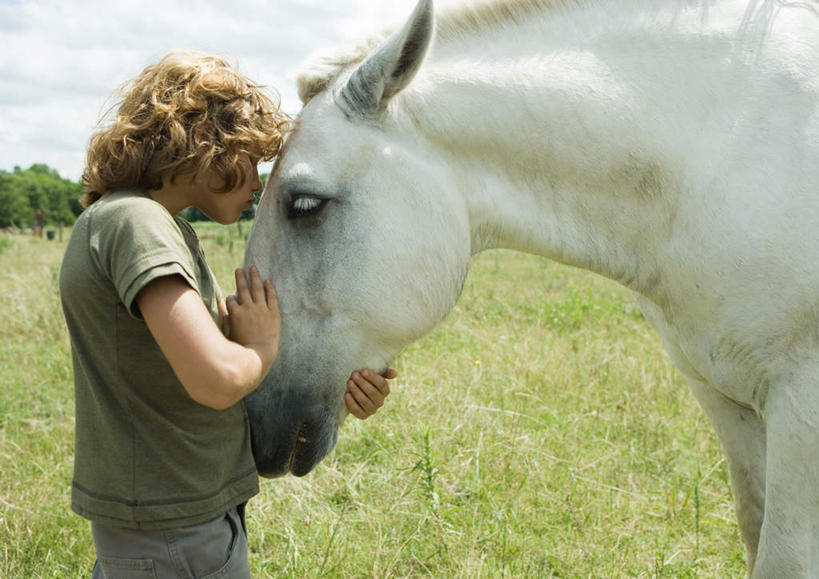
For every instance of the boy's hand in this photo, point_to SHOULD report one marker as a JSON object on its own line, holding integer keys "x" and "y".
{"x": 253, "y": 315}
{"x": 366, "y": 392}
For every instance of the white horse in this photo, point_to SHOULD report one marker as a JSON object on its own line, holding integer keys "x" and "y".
{"x": 670, "y": 145}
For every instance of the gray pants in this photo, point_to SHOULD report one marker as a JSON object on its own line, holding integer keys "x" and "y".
{"x": 209, "y": 550}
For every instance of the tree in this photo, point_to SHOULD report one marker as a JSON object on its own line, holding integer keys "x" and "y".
{"x": 14, "y": 207}
{"x": 23, "y": 192}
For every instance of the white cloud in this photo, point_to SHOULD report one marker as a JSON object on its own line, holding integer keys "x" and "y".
{"x": 61, "y": 60}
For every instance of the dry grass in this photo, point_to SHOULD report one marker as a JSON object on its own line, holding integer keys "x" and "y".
{"x": 540, "y": 431}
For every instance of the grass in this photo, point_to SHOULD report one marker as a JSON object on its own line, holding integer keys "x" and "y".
{"x": 540, "y": 431}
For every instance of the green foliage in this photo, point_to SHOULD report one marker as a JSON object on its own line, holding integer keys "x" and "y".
{"x": 24, "y": 192}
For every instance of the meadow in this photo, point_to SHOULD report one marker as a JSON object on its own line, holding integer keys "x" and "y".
{"x": 540, "y": 431}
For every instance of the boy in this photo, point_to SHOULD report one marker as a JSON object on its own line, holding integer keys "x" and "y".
{"x": 163, "y": 466}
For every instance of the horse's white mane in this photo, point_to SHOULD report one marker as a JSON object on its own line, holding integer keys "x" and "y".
{"x": 468, "y": 18}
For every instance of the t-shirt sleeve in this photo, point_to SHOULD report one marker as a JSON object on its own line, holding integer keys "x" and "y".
{"x": 137, "y": 241}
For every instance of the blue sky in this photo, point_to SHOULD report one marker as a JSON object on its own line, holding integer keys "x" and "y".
{"x": 61, "y": 60}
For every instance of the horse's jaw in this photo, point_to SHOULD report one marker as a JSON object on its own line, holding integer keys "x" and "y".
{"x": 297, "y": 410}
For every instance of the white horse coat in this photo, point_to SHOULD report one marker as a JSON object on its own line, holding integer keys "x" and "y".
{"x": 672, "y": 146}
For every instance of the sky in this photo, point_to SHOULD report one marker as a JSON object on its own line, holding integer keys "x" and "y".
{"x": 62, "y": 60}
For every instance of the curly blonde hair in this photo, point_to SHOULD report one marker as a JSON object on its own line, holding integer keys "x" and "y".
{"x": 187, "y": 114}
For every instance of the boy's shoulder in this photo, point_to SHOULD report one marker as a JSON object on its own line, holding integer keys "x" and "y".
{"x": 121, "y": 208}
{"x": 126, "y": 202}
{"x": 130, "y": 215}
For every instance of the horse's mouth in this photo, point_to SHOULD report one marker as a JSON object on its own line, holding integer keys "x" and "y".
{"x": 301, "y": 440}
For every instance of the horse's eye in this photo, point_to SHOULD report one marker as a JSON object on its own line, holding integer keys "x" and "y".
{"x": 305, "y": 205}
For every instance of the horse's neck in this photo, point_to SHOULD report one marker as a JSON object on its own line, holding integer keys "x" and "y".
{"x": 572, "y": 152}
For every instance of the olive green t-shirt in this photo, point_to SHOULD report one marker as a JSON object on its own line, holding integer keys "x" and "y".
{"x": 146, "y": 454}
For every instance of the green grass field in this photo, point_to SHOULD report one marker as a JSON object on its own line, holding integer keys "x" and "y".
{"x": 539, "y": 432}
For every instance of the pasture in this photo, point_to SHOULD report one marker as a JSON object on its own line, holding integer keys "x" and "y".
{"x": 540, "y": 431}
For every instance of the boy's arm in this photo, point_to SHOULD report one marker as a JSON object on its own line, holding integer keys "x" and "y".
{"x": 216, "y": 371}
{"x": 219, "y": 365}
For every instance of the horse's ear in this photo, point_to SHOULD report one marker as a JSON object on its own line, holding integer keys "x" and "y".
{"x": 390, "y": 67}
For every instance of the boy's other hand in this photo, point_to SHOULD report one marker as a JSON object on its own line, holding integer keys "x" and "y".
{"x": 366, "y": 391}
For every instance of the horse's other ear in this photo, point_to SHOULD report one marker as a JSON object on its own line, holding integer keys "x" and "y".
{"x": 390, "y": 67}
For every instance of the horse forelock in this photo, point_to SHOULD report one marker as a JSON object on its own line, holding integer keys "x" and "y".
{"x": 455, "y": 22}
{"x": 323, "y": 69}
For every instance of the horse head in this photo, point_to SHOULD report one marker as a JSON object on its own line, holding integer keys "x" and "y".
{"x": 366, "y": 240}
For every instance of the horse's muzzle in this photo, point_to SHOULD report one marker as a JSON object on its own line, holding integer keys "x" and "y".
{"x": 286, "y": 437}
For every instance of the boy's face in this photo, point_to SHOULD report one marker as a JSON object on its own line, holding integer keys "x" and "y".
{"x": 226, "y": 208}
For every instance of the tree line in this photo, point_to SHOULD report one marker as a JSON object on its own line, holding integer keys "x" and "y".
{"x": 40, "y": 195}
{"x": 37, "y": 193}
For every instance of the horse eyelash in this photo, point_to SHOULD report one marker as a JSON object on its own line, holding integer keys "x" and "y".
{"x": 305, "y": 204}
